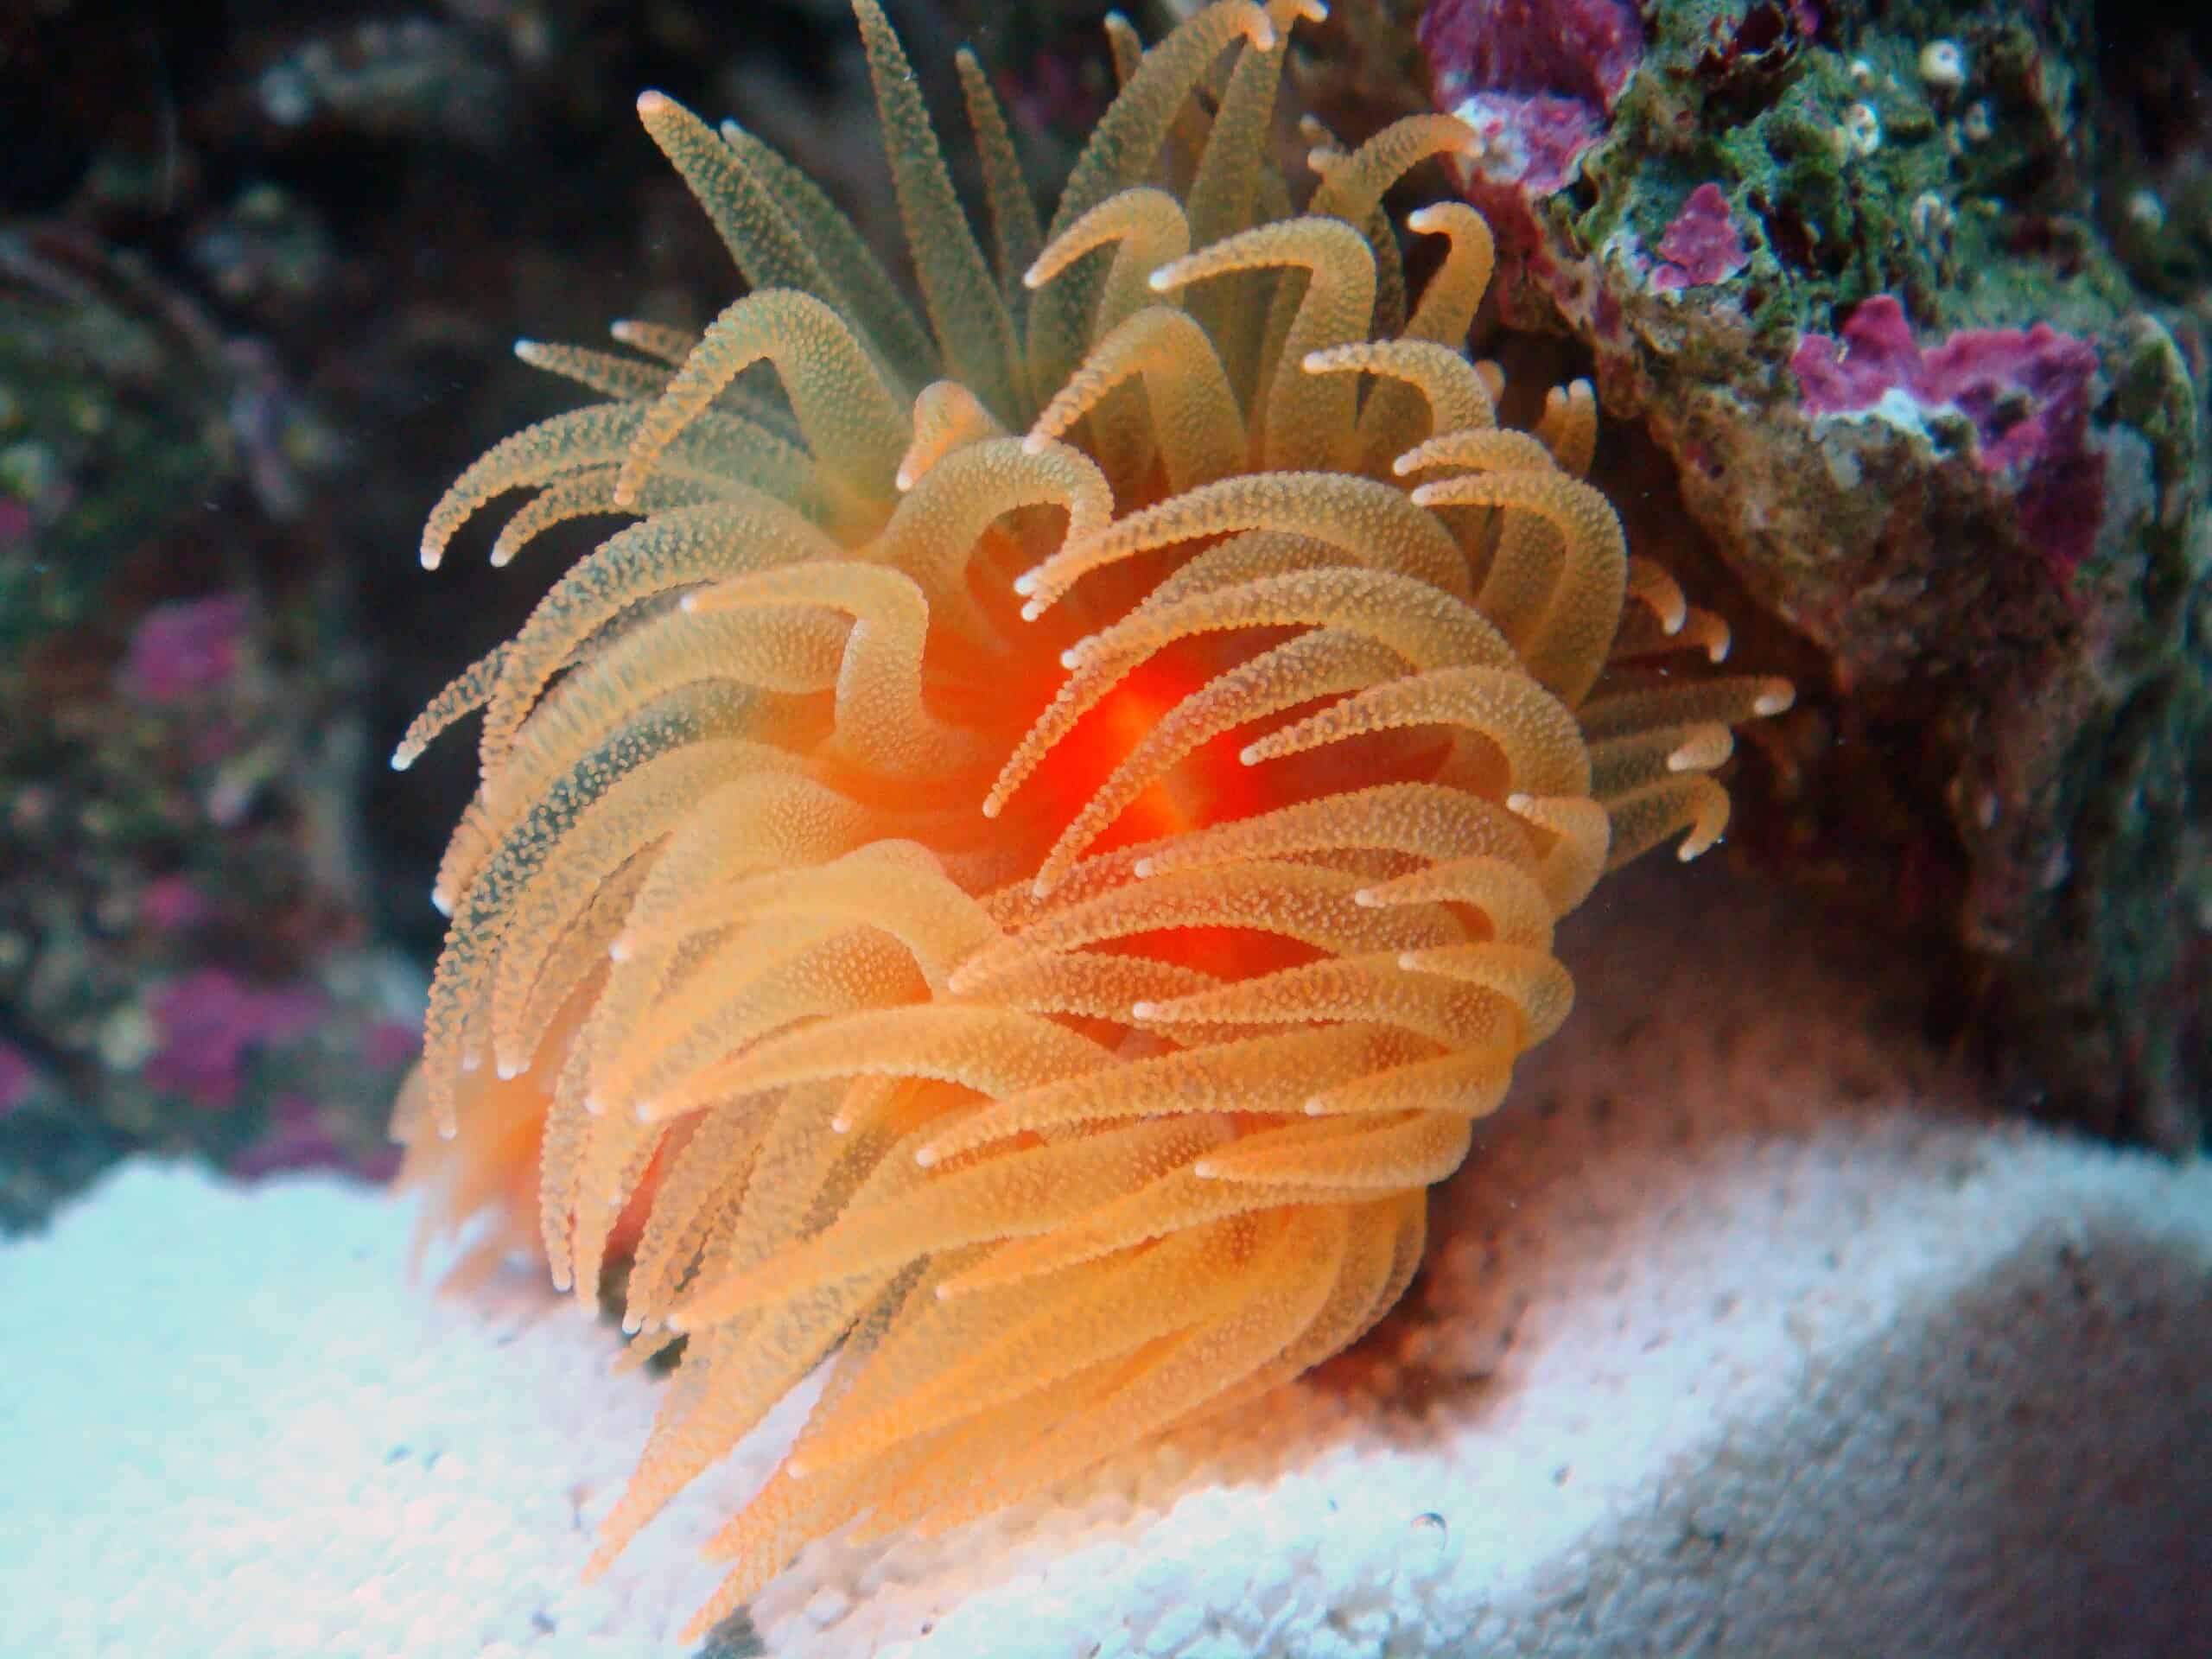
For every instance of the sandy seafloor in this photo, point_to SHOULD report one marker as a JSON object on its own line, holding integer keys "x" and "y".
{"x": 1747, "y": 1330}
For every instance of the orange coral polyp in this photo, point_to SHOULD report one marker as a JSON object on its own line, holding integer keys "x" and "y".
{"x": 1013, "y": 875}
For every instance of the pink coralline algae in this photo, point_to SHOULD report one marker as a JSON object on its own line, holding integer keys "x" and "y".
{"x": 208, "y": 1021}
{"x": 182, "y": 649}
{"x": 1581, "y": 49}
{"x": 1536, "y": 79}
{"x": 1701, "y": 246}
{"x": 18, "y": 1078}
{"x": 2027, "y": 393}
{"x": 172, "y": 904}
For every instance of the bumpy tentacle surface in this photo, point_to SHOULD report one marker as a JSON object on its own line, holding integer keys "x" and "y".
{"x": 1014, "y": 870}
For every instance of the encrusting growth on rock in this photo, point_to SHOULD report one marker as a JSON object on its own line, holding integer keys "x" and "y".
{"x": 1015, "y": 872}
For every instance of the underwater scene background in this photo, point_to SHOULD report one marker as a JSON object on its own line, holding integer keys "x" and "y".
{"x": 1835, "y": 1277}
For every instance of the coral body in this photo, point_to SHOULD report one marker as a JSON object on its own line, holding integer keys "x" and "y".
{"x": 1016, "y": 872}
{"x": 1844, "y": 266}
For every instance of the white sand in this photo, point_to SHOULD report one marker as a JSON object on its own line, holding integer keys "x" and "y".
{"x": 1740, "y": 1336}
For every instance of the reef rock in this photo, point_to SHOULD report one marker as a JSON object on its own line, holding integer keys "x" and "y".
{"x": 1846, "y": 265}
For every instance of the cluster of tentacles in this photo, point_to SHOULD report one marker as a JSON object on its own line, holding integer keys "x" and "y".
{"x": 1015, "y": 871}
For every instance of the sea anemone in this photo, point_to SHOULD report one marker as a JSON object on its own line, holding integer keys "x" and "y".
{"x": 1014, "y": 872}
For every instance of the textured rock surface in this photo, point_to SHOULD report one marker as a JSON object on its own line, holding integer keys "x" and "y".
{"x": 1743, "y": 1333}
{"x": 1844, "y": 266}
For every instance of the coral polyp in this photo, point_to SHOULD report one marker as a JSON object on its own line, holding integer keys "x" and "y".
{"x": 1014, "y": 872}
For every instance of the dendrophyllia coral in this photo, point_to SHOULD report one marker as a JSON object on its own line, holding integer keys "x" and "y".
{"x": 1012, "y": 873}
